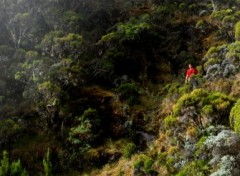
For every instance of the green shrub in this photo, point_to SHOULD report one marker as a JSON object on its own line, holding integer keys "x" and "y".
{"x": 170, "y": 160}
{"x": 9, "y": 130}
{"x": 235, "y": 117}
{"x": 169, "y": 121}
{"x": 175, "y": 89}
{"x": 86, "y": 130}
{"x": 128, "y": 92}
{"x": 148, "y": 165}
{"x": 203, "y": 102}
{"x": 219, "y": 101}
{"x": 8, "y": 168}
{"x": 200, "y": 145}
{"x": 237, "y": 31}
{"x": 161, "y": 158}
{"x": 144, "y": 164}
{"x": 193, "y": 168}
{"x": 211, "y": 61}
{"x": 200, "y": 24}
{"x": 233, "y": 51}
{"x": 47, "y": 165}
{"x": 129, "y": 150}
{"x": 207, "y": 109}
{"x": 211, "y": 51}
{"x": 171, "y": 88}
{"x": 190, "y": 99}
{"x": 139, "y": 164}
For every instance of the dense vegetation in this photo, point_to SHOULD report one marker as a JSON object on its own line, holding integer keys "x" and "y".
{"x": 96, "y": 87}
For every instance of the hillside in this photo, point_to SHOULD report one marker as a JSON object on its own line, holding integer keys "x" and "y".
{"x": 98, "y": 87}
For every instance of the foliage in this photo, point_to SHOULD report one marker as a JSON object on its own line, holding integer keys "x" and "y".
{"x": 200, "y": 146}
{"x": 8, "y": 168}
{"x": 221, "y": 13}
{"x": 233, "y": 50}
{"x": 9, "y": 131}
{"x": 226, "y": 19}
{"x": 121, "y": 47}
{"x": 161, "y": 158}
{"x": 200, "y": 24}
{"x": 170, "y": 121}
{"x": 128, "y": 31}
{"x": 235, "y": 117}
{"x": 47, "y": 165}
{"x": 128, "y": 92}
{"x": 31, "y": 69}
{"x": 85, "y": 132}
{"x": 51, "y": 51}
{"x": 211, "y": 61}
{"x": 235, "y": 91}
{"x": 197, "y": 167}
{"x": 72, "y": 21}
{"x": 176, "y": 88}
{"x": 144, "y": 165}
{"x": 189, "y": 99}
{"x": 237, "y": 31}
{"x": 129, "y": 150}
{"x": 59, "y": 46}
{"x": 51, "y": 93}
{"x": 211, "y": 104}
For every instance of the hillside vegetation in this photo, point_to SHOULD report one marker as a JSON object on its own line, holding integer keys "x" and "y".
{"x": 96, "y": 87}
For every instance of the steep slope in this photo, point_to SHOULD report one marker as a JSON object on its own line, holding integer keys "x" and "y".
{"x": 99, "y": 86}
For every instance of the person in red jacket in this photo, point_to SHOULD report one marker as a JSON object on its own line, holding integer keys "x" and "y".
{"x": 190, "y": 71}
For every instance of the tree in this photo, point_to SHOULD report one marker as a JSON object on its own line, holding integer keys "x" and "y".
{"x": 59, "y": 46}
{"x": 17, "y": 21}
{"x": 121, "y": 47}
{"x": 18, "y": 26}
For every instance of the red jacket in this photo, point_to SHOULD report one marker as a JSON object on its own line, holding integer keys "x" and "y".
{"x": 191, "y": 71}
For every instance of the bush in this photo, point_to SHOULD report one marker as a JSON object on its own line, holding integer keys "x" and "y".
{"x": 128, "y": 92}
{"x": 212, "y": 61}
{"x": 47, "y": 165}
{"x": 8, "y": 168}
{"x": 199, "y": 168}
{"x": 202, "y": 103}
{"x": 144, "y": 166}
{"x": 237, "y": 31}
{"x": 190, "y": 99}
{"x": 9, "y": 131}
{"x": 235, "y": 117}
{"x": 86, "y": 130}
{"x": 129, "y": 150}
{"x": 199, "y": 145}
{"x": 169, "y": 121}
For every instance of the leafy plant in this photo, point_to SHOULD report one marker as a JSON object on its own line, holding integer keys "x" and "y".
{"x": 129, "y": 150}
{"x": 8, "y": 168}
{"x": 47, "y": 165}
{"x": 87, "y": 129}
{"x": 235, "y": 117}
{"x": 128, "y": 92}
{"x": 193, "y": 168}
{"x": 205, "y": 103}
{"x": 9, "y": 131}
{"x": 237, "y": 31}
{"x": 170, "y": 121}
{"x": 144, "y": 165}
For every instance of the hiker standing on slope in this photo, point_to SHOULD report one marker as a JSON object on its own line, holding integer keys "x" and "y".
{"x": 190, "y": 72}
